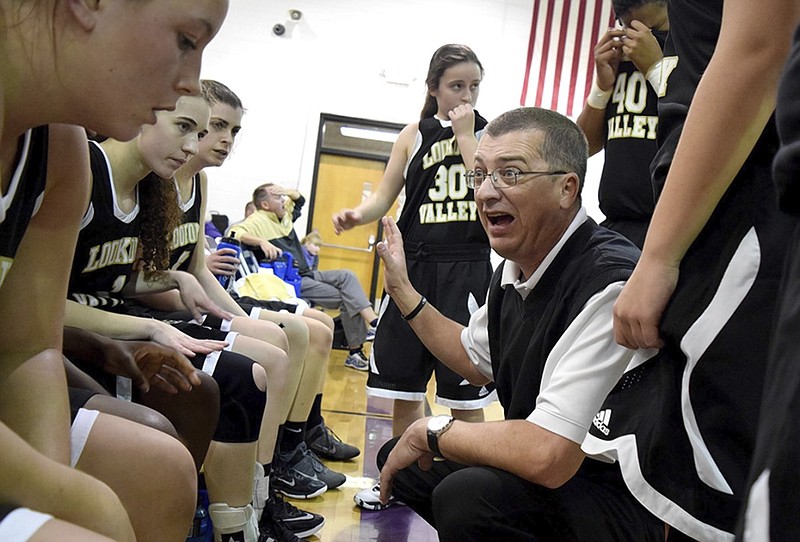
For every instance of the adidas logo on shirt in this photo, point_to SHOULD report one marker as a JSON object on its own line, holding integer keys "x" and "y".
{"x": 601, "y": 421}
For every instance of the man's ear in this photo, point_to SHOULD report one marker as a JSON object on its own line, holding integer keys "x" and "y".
{"x": 569, "y": 190}
{"x": 84, "y": 12}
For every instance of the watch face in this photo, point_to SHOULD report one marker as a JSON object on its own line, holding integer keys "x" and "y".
{"x": 437, "y": 423}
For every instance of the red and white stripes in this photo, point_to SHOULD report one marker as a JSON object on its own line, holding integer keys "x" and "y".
{"x": 560, "y": 62}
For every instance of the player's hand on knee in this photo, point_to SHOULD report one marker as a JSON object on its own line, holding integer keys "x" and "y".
{"x": 148, "y": 363}
{"x": 171, "y": 337}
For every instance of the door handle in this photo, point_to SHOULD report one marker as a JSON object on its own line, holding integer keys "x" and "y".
{"x": 370, "y": 247}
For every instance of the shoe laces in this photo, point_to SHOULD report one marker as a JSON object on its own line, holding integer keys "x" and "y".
{"x": 316, "y": 464}
{"x": 273, "y": 529}
{"x": 281, "y": 506}
{"x": 330, "y": 436}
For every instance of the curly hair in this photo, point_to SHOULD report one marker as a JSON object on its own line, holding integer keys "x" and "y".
{"x": 161, "y": 214}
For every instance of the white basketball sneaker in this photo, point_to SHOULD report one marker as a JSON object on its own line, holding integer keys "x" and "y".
{"x": 370, "y": 499}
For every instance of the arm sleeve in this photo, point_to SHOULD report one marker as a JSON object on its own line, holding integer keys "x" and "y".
{"x": 298, "y": 208}
{"x": 475, "y": 339}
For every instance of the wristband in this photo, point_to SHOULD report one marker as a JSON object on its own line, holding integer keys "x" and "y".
{"x": 413, "y": 314}
{"x": 598, "y": 98}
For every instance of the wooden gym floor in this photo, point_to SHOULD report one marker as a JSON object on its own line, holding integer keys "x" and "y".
{"x": 368, "y": 425}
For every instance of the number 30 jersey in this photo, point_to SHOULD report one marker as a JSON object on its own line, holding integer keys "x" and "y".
{"x": 439, "y": 208}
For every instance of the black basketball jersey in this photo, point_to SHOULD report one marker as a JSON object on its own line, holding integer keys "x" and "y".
{"x": 787, "y": 114}
{"x": 185, "y": 236}
{"x": 107, "y": 242}
{"x": 694, "y": 30}
{"x": 24, "y": 194}
{"x": 631, "y": 122}
{"x": 439, "y": 209}
{"x": 693, "y": 33}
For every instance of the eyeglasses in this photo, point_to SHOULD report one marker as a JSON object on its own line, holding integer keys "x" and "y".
{"x": 505, "y": 177}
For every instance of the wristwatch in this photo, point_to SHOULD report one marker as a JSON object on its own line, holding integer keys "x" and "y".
{"x": 436, "y": 427}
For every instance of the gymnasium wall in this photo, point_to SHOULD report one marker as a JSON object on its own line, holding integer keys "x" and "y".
{"x": 359, "y": 58}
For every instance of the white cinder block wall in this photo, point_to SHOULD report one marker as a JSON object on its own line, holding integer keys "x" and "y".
{"x": 359, "y": 58}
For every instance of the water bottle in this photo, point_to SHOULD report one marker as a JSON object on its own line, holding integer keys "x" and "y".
{"x": 201, "y": 530}
{"x": 228, "y": 242}
{"x": 279, "y": 266}
{"x": 292, "y": 276}
{"x": 124, "y": 388}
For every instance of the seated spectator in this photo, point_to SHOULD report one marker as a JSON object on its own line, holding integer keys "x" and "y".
{"x": 524, "y": 477}
{"x": 271, "y": 228}
{"x": 211, "y": 229}
{"x": 249, "y": 209}
{"x": 311, "y": 245}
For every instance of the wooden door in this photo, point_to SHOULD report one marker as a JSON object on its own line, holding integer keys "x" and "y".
{"x": 343, "y": 182}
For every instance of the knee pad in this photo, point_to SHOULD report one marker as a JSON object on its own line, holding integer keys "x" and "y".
{"x": 241, "y": 403}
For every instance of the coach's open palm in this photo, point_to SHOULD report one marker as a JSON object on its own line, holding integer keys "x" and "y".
{"x": 394, "y": 258}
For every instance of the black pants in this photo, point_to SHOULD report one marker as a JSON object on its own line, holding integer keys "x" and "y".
{"x": 484, "y": 503}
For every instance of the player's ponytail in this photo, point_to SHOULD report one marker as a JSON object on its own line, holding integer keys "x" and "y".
{"x": 158, "y": 201}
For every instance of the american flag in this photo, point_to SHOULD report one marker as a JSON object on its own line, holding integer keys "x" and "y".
{"x": 560, "y": 66}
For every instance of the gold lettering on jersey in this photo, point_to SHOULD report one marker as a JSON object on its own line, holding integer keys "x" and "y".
{"x": 448, "y": 211}
{"x": 5, "y": 267}
{"x": 96, "y": 301}
{"x": 185, "y": 234}
{"x": 630, "y": 95}
{"x": 632, "y": 126}
{"x": 117, "y": 252}
{"x": 439, "y": 151}
{"x": 668, "y": 65}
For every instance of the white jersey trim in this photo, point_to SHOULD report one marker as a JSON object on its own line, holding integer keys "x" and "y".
{"x": 189, "y": 203}
{"x": 756, "y": 515}
{"x": 734, "y": 286}
{"x": 121, "y": 215}
{"x": 624, "y": 450}
{"x": 8, "y": 198}
{"x": 79, "y": 432}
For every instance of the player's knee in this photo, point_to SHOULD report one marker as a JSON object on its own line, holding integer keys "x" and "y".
{"x": 207, "y": 392}
{"x": 158, "y": 421}
{"x": 320, "y": 335}
{"x": 296, "y": 331}
{"x": 322, "y": 318}
{"x": 259, "y": 377}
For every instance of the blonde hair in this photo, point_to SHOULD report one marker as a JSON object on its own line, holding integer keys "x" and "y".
{"x": 313, "y": 237}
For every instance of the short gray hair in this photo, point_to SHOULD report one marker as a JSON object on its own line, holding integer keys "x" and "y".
{"x": 564, "y": 146}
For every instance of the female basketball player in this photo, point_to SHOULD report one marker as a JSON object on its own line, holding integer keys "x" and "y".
{"x": 108, "y": 66}
{"x": 133, "y": 204}
{"x": 448, "y": 252}
{"x": 704, "y": 290}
